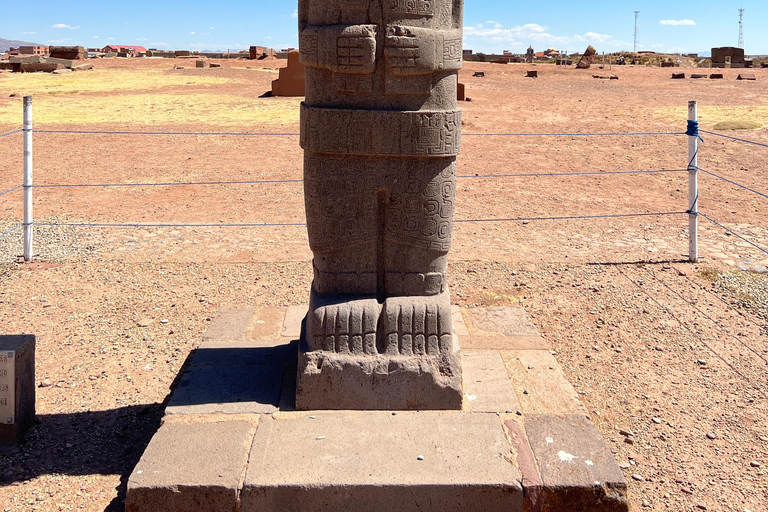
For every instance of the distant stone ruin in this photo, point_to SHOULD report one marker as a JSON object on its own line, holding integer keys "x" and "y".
{"x": 587, "y": 59}
{"x": 68, "y": 52}
{"x": 290, "y": 81}
{"x": 728, "y": 56}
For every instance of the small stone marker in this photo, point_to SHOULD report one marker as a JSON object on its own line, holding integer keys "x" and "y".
{"x": 587, "y": 59}
{"x": 746, "y": 76}
{"x": 480, "y": 74}
{"x": 532, "y": 74}
{"x": 201, "y": 64}
{"x": 678, "y": 76}
{"x": 17, "y": 387}
{"x": 698, "y": 75}
{"x": 716, "y": 76}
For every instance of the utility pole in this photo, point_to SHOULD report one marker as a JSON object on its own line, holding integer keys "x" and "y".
{"x": 637, "y": 31}
{"x": 741, "y": 28}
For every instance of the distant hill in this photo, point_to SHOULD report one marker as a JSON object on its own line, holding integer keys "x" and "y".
{"x": 5, "y": 44}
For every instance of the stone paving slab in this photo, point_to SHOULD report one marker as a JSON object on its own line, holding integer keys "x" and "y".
{"x": 578, "y": 471}
{"x": 497, "y": 342}
{"x": 540, "y": 383}
{"x": 244, "y": 352}
{"x": 191, "y": 467}
{"x": 504, "y": 321}
{"x": 379, "y": 461}
{"x": 294, "y": 316}
{"x": 265, "y": 324}
{"x": 228, "y": 389}
{"x": 230, "y": 323}
{"x": 486, "y": 382}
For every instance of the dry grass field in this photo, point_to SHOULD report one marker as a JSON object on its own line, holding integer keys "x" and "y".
{"x": 671, "y": 350}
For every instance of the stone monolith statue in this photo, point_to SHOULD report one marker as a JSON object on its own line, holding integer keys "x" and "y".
{"x": 380, "y": 132}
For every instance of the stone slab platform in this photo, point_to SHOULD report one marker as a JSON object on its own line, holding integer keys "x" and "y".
{"x": 523, "y": 442}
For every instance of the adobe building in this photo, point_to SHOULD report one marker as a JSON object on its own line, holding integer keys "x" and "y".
{"x": 33, "y": 50}
{"x": 728, "y": 57}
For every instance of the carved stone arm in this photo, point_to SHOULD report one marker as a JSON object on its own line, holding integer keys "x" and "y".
{"x": 340, "y": 48}
{"x": 421, "y": 51}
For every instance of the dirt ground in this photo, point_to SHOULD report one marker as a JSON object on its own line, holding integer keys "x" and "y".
{"x": 674, "y": 351}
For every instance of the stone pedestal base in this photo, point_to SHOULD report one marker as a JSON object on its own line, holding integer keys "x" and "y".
{"x": 343, "y": 381}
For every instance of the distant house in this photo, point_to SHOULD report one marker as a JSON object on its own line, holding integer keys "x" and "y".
{"x": 132, "y": 51}
{"x": 33, "y": 50}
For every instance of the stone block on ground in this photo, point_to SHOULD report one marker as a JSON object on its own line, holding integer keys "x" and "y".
{"x": 17, "y": 387}
{"x": 191, "y": 468}
{"x": 294, "y": 316}
{"x": 578, "y": 471}
{"x": 230, "y": 323}
{"x": 290, "y": 80}
{"x": 228, "y": 389}
{"x": 377, "y": 461}
{"x": 746, "y": 76}
{"x": 486, "y": 382}
{"x": 265, "y": 324}
{"x": 587, "y": 59}
{"x": 540, "y": 383}
{"x": 459, "y": 325}
{"x": 504, "y": 321}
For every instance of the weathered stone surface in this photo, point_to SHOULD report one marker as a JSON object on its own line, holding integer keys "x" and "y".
{"x": 505, "y": 321}
{"x": 265, "y": 324}
{"x": 587, "y": 59}
{"x": 233, "y": 378}
{"x": 294, "y": 316}
{"x": 244, "y": 352}
{"x": 459, "y": 326}
{"x": 526, "y": 463}
{"x": 380, "y": 132}
{"x": 190, "y": 468}
{"x": 17, "y": 387}
{"x": 290, "y": 81}
{"x": 503, "y": 343}
{"x": 578, "y": 472}
{"x": 540, "y": 383}
{"x": 230, "y": 323}
{"x": 487, "y": 383}
{"x": 375, "y": 461}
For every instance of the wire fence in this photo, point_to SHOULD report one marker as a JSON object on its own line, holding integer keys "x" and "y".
{"x": 693, "y": 133}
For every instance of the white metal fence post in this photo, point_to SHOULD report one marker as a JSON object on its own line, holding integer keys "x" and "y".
{"x": 27, "y": 130}
{"x": 693, "y": 186}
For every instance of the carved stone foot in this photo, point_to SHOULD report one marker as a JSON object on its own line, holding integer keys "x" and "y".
{"x": 416, "y": 326}
{"x": 342, "y": 326}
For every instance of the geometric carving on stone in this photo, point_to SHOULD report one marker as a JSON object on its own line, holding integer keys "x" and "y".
{"x": 380, "y": 131}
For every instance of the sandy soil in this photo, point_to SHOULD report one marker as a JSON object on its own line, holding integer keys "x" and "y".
{"x": 671, "y": 350}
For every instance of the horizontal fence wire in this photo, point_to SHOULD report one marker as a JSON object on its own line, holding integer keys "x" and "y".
{"x": 555, "y": 174}
{"x": 240, "y": 134}
{"x": 259, "y": 182}
{"x": 735, "y": 138}
{"x": 10, "y": 231}
{"x": 264, "y": 134}
{"x": 733, "y": 232}
{"x": 278, "y": 224}
{"x": 732, "y": 182}
{"x": 575, "y": 217}
{"x": 144, "y": 225}
{"x": 11, "y": 190}
{"x": 10, "y": 133}
{"x": 577, "y": 134}
{"x": 168, "y": 184}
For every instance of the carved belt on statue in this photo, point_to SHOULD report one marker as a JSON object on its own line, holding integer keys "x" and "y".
{"x": 381, "y": 132}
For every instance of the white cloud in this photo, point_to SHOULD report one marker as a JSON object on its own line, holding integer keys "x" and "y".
{"x": 95, "y": 37}
{"x": 192, "y": 33}
{"x": 532, "y": 33}
{"x": 59, "y": 41}
{"x": 295, "y": 13}
{"x": 110, "y": 39}
{"x": 213, "y": 28}
{"x": 64, "y": 25}
{"x": 28, "y": 33}
{"x": 141, "y": 38}
{"x": 678, "y": 23}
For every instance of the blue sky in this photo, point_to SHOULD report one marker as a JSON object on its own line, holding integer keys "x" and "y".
{"x": 490, "y": 25}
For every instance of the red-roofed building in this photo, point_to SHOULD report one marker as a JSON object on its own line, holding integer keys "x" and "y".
{"x": 133, "y": 51}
